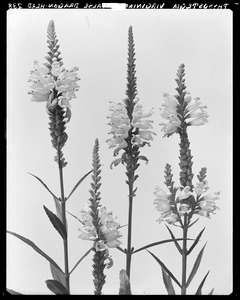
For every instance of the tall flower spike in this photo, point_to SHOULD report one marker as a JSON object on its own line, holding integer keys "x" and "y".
{"x": 53, "y": 84}
{"x": 128, "y": 120}
{"x": 131, "y": 91}
{"x": 131, "y": 130}
{"x": 185, "y": 164}
{"x": 99, "y": 226}
{"x": 99, "y": 256}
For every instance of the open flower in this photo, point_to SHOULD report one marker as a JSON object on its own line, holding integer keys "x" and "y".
{"x": 185, "y": 201}
{"x": 207, "y": 205}
{"x": 195, "y": 111}
{"x": 108, "y": 226}
{"x": 53, "y": 83}
{"x": 169, "y": 113}
{"x": 164, "y": 206}
{"x": 121, "y": 125}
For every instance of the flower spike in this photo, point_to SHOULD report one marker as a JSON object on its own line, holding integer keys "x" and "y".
{"x": 99, "y": 225}
{"x": 53, "y": 84}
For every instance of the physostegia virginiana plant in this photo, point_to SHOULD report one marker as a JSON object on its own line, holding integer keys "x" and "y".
{"x": 182, "y": 203}
{"x": 130, "y": 130}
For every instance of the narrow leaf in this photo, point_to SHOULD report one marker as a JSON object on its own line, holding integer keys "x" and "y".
{"x": 58, "y": 208}
{"x": 157, "y": 243}
{"x": 195, "y": 242}
{"x": 78, "y": 183}
{"x": 44, "y": 184}
{"x": 199, "y": 290}
{"x": 74, "y": 217}
{"x": 211, "y": 292}
{"x": 56, "y": 222}
{"x": 125, "y": 288}
{"x": 174, "y": 239}
{"x": 58, "y": 275}
{"x": 56, "y": 287}
{"x": 165, "y": 269}
{"x": 168, "y": 283}
{"x": 81, "y": 259}
{"x": 38, "y": 250}
{"x": 195, "y": 266}
{"x": 121, "y": 249}
{"x": 193, "y": 223}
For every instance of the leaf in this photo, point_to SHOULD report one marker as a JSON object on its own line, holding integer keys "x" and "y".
{"x": 168, "y": 283}
{"x": 157, "y": 243}
{"x": 58, "y": 275}
{"x": 174, "y": 239}
{"x": 58, "y": 208}
{"x": 121, "y": 249}
{"x": 165, "y": 269}
{"x": 74, "y": 217}
{"x": 81, "y": 259}
{"x": 56, "y": 222}
{"x": 199, "y": 290}
{"x": 56, "y": 287}
{"x": 211, "y": 292}
{"x": 125, "y": 288}
{"x": 78, "y": 183}
{"x": 12, "y": 292}
{"x": 38, "y": 250}
{"x": 195, "y": 242}
{"x": 193, "y": 223}
{"x": 44, "y": 184}
{"x": 195, "y": 266}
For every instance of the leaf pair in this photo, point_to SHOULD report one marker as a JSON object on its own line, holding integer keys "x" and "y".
{"x": 168, "y": 275}
{"x": 75, "y": 187}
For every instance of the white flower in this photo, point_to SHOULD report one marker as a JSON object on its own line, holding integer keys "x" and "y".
{"x": 196, "y": 112}
{"x": 183, "y": 193}
{"x": 163, "y": 205}
{"x": 56, "y": 81}
{"x": 121, "y": 124}
{"x": 201, "y": 187}
{"x": 207, "y": 204}
{"x": 169, "y": 113}
{"x": 108, "y": 226}
{"x": 169, "y": 217}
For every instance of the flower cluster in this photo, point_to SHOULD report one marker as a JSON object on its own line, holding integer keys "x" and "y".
{"x": 54, "y": 85}
{"x": 174, "y": 205}
{"x": 195, "y": 111}
{"x": 109, "y": 228}
{"x": 170, "y": 111}
{"x": 121, "y": 125}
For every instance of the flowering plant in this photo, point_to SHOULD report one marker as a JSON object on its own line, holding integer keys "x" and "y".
{"x": 179, "y": 205}
{"x": 53, "y": 84}
{"x": 131, "y": 129}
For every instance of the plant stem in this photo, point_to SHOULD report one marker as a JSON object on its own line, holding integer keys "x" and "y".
{"x": 129, "y": 246}
{"x": 184, "y": 256}
{"x": 65, "y": 241}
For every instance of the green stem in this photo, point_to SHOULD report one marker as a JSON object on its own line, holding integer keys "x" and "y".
{"x": 129, "y": 246}
{"x": 65, "y": 242}
{"x": 184, "y": 256}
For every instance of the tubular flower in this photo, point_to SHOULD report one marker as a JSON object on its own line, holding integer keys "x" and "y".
{"x": 195, "y": 111}
{"x": 109, "y": 229}
{"x": 173, "y": 206}
{"x": 53, "y": 84}
{"x": 121, "y": 125}
{"x": 164, "y": 205}
{"x": 181, "y": 107}
{"x": 169, "y": 113}
{"x": 57, "y": 83}
{"x": 206, "y": 204}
